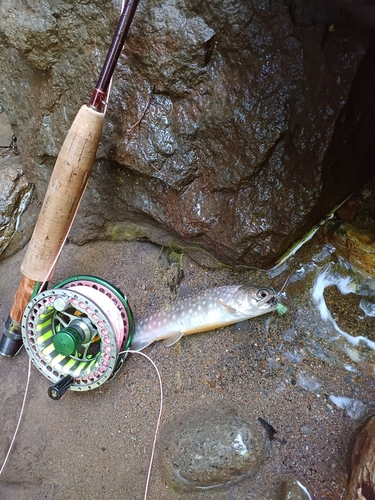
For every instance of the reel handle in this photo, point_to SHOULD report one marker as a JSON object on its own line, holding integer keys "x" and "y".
{"x": 59, "y": 389}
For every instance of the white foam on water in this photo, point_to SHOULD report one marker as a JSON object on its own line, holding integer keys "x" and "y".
{"x": 345, "y": 285}
{"x": 367, "y": 307}
{"x": 353, "y": 407}
{"x": 325, "y": 252}
{"x": 353, "y": 354}
{"x": 307, "y": 382}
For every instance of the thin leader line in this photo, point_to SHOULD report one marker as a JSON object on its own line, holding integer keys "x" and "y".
{"x": 159, "y": 417}
{"x": 19, "y": 418}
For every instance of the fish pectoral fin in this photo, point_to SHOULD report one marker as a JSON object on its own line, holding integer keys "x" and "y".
{"x": 231, "y": 309}
{"x": 172, "y": 339}
{"x": 138, "y": 345}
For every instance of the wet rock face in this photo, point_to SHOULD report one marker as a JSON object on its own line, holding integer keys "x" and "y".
{"x": 362, "y": 10}
{"x": 210, "y": 448}
{"x": 15, "y": 194}
{"x": 355, "y": 244}
{"x": 224, "y": 121}
{"x": 362, "y": 477}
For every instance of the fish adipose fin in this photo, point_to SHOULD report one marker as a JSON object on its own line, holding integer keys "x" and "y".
{"x": 172, "y": 339}
{"x": 232, "y": 310}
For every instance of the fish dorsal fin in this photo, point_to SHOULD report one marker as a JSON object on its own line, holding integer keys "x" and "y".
{"x": 172, "y": 339}
{"x": 231, "y": 309}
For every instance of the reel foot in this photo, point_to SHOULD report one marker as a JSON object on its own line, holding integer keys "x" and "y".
{"x": 11, "y": 342}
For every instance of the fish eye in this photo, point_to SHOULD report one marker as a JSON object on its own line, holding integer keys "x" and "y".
{"x": 262, "y": 294}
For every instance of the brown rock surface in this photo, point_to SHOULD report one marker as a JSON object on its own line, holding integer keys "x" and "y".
{"x": 357, "y": 245}
{"x": 362, "y": 478}
{"x": 258, "y": 123}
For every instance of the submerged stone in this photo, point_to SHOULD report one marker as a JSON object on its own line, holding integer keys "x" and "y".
{"x": 292, "y": 489}
{"x": 211, "y": 447}
{"x": 355, "y": 244}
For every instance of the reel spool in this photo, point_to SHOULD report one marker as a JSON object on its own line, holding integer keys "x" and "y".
{"x": 74, "y": 333}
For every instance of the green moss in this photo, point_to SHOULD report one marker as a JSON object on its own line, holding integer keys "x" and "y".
{"x": 174, "y": 255}
{"x": 125, "y": 231}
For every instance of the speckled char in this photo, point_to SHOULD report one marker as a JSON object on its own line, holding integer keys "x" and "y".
{"x": 207, "y": 310}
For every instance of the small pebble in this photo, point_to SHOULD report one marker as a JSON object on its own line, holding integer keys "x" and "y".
{"x": 305, "y": 430}
{"x": 241, "y": 327}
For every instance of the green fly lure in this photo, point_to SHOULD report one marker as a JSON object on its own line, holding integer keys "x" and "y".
{"x": 281, "y": 309}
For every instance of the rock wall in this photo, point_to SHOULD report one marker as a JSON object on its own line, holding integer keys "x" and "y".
{"x": 230, "y": 124}
{"x": 15, "y": 193}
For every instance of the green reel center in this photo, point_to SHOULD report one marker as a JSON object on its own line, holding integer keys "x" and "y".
{"x": 68, "y": 341}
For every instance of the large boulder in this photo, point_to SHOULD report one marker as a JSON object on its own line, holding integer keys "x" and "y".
{"x": 15, "y": 196}
{"x": 361, "y": 485}
{"x": 233, "y": 126}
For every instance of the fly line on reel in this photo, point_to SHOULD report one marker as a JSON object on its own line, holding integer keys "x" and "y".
{"x": 75, "y": 332}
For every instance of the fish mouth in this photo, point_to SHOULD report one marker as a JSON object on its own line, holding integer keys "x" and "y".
{"x": 271, "y": 301}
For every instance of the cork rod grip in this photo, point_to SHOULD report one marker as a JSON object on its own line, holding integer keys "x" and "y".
{"x": 65, "y": 189}
{"x": 22, "y": 298}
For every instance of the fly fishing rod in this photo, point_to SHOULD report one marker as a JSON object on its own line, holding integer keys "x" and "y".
{"x": 63, "y": 330}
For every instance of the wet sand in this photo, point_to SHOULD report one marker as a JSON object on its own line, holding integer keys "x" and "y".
{"x": 283, "y": 369}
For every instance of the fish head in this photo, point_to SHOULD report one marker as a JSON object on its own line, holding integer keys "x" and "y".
{"x": 255, "y": 301}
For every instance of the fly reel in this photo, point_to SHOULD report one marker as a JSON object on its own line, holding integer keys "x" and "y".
{"x": 74, "y": 333}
